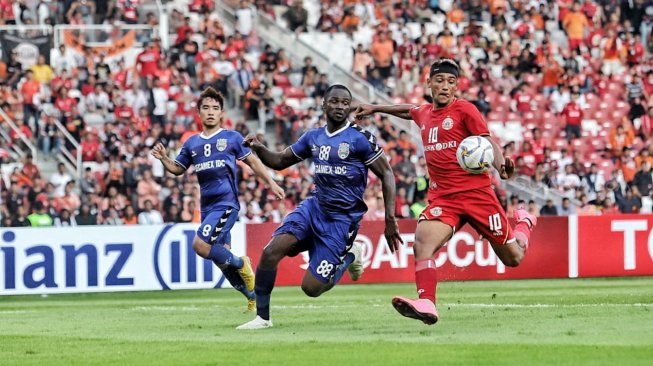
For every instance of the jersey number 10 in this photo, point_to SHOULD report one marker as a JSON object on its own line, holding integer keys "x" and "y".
{"x": 433, "y": 135}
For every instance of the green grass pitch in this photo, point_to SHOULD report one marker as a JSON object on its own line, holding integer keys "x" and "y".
{"x": 528, "y": 322}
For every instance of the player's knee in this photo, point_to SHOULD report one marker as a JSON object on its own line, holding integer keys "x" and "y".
{"x": 201, "y": 248}
{"x": 311, "y": 291}
{"x": 512, "y": 260}
{"x": 269, "y": 259}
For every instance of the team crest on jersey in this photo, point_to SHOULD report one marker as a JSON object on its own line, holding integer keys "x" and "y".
{"x": 436, "y": 211}
{"x": 221, "y": 144}
{"x": 343, "y": 150}
{"x": 447, "y": 124}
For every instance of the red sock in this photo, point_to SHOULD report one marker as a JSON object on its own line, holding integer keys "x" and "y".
{"x": 523, "y": 233}
{"x": 426, "y": 279}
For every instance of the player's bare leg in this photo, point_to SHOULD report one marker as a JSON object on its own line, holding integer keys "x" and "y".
{"x": 430, "y": 236}
{"x": 266, "y": 274}
{"x": 512, "y": 253}
{"x": 229, "y": 265}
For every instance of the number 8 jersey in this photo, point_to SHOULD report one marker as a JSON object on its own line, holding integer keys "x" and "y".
{"x": 214, "y": 160}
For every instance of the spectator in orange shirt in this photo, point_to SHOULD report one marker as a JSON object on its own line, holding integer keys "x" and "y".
{"x": 362, "y": 62}
{"x": 551, "y": 73}
{"x": 382, "y": 50}
{"x": 350, "y": 22}
{"x": 575, "y": 23}
{"x": 31, "y": 90}
{"x": 620, "y": 138}
{"x": 613, "y": 53}
{"x": 130, "y": 217}
{"x": 456, "y": 15}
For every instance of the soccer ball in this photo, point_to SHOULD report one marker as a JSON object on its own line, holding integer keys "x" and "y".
{"x": 475, "y": 154}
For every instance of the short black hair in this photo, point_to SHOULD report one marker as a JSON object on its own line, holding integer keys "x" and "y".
{"x": 210, "y": 93}
{"x": 334, "y": 87}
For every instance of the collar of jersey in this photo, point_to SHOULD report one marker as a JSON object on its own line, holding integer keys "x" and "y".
{"x": 213, "y": 134}
{"x": 331, "y": 134}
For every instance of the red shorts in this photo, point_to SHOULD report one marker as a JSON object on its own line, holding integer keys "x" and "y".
{"x": 575, "y": 43}
{"x": 479, "y": 208}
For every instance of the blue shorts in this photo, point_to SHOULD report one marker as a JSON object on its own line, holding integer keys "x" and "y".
{"x": 216, "y": 225}
{"x": 327, "y": 239}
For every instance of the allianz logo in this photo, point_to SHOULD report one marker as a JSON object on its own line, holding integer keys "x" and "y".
{"x": 177, "y": 266}
{"x": 70, "y": 260}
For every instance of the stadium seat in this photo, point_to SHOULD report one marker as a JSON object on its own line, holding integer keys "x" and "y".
{"x": 281, "y": 80}
{"x": 294, "y": 103}
{"x": 590, "y": 126}
{"x": 295, "y": 92}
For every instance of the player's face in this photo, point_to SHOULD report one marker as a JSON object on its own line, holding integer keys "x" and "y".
{"x": 443, "y": 88}
{"x": 337, "y": 105}
{"x": 210, "y": 113}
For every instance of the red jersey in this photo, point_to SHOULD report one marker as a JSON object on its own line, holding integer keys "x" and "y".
{"x": 442, "y": 131}
{"x": 573, "y": 113}
{"x": 148, "y": 61}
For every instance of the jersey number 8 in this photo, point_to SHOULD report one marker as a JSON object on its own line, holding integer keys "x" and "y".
{"x": 207, "y": 150}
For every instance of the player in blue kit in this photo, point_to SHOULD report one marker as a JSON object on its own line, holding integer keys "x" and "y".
{"x": 326, "y": 223}
{"x": 213, "y": 154}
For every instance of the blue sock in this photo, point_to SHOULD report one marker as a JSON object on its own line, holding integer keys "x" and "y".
{"x": 222, "y": 256}
{"x": 343, "y": 267}
{"x": 231, "y": 274}
{"x": 263, "y": 289}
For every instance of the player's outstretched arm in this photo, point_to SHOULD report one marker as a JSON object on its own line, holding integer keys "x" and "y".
{"x": 258, "y": 168}
{"x": 160, "y": 152}
{"x": 504, "y": 165}
{"x": 398, "y": 110}
{"x": 382, "y": 169}
{"x": 275, "y": 160}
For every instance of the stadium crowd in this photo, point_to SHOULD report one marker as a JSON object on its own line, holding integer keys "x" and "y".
{"x": 575, "y": 78}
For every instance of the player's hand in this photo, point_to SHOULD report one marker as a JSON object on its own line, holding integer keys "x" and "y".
{"x": 363, "y": 110}
{"x": 251, "y": 141}
{"x": 159, "y": 151}
{"x": 507, "y": 169}
{"x": 392, "y": 235}
{"x": 278, "y": 191}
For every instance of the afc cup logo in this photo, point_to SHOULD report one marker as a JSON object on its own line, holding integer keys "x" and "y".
{"x": 447, "y": 124}
{"x": 343, "y": 150}
{"x": 221, "y": 144}
{"x": 436, "y": 211}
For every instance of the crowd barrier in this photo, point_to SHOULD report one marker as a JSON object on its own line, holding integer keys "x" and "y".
{"x": 137, "y": 258}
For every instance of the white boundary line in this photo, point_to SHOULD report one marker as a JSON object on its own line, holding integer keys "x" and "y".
{"x": 442, "y": 306}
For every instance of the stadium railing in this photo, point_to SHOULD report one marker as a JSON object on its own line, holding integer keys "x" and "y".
{"x": 279, "y": 37}
{"x": 20, "y": 152}
{"x": 100, "y": 34}
{"x": 71, "y": 159}
{"x": 527, "y": 190}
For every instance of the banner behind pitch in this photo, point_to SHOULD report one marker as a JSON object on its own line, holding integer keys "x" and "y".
{"x": 104, "y": 258}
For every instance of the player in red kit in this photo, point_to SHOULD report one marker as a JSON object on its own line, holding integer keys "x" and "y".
{"x": 456, "y": 197}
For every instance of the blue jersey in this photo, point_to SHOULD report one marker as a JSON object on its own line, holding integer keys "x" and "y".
{"x": 214, "y": 159}
{"x": 341, "y": 159}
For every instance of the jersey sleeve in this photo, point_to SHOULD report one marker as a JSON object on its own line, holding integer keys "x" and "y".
{"x": 302, "y": 148}
{"x": 242, "y": 151}
{"x": 474, "y": 121}
{"x": 415, "y": 114}
{"x": 184, "y": 159}
{"x": 367, "y": 148}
